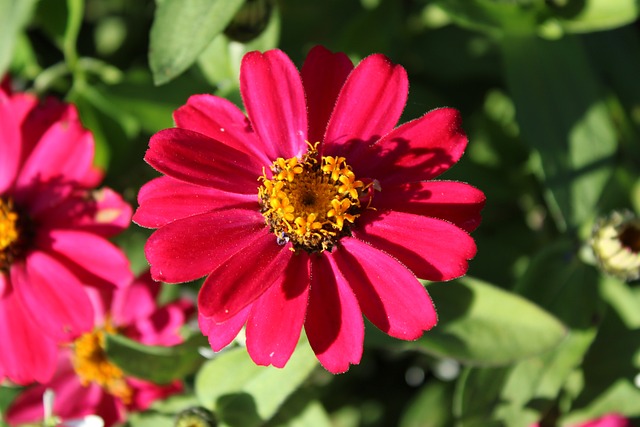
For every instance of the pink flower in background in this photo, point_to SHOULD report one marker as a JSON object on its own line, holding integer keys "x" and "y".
{"x": 312, "y": 211}
{"x": 611, "y": 420}
{"x": 86, "y": 382}
{"x": 53, "y": 233}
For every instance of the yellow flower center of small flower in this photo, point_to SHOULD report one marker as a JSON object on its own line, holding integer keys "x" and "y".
{"x": 11, "y": 236}
{"x": 92, "y": 365}
{"x": 312, "y": 202}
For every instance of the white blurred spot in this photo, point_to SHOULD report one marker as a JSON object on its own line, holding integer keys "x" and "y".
{"x": 446, "y": 369}
{"x": 636, "y": 381}
{"x": 414, "y": 376}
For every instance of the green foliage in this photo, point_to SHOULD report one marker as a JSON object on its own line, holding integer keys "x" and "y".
{"x": 182, "y": 30}
{"x": 14, "y": 15}
{"x": 155, "y": 363}
{"x": 252, "y": 394}
{"x": 481, "y": 324}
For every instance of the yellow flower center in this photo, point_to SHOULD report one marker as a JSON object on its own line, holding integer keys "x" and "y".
{"x": 92, "y": 365}
{"x": 11, "y": 236}
{"x": 313, "y": 201}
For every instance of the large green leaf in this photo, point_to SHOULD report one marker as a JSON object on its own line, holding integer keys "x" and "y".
{"x": 155, "y": 363}
{"x": 562, "y": 115}
{"x": 242, "y": 393}
{"x": 431, "y": 407}
{"x": 14, "y": 15}
{"x": 181, "y": 30}
{"x": 611, "y": 365}
{"x": 484, "y": 325}
{"x": 520, "y": 394}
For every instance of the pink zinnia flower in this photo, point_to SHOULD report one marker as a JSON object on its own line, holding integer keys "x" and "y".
{"x": 86, "y": 381}
{"x": 311, "y": 211}
{"x": 611, "y": 420}
{"x": 53, "y": 231}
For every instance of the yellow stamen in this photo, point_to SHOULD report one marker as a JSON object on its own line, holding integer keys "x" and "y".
{"x": 310, "y": 202}
{"x": 11, "y": 237}
{"x": 92, "y": 365}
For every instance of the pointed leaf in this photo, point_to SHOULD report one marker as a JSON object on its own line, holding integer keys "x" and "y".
{"x": 155, "y": 363}
{"x": 181, "y": 30}
{"x": 482, "y": 324}
{"x": 13, "y": 16}
{"x": 243, "y": 393}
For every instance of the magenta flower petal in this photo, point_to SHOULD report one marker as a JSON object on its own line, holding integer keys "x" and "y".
{"x": 369, "y": 105}
{"x": 20, "y": 337}
{"x": 164, "y": 200}
{"x": 421, "y": 243}
{"x": 195, "y": 158}
{"x": 390, "y": 295}
{"x": 9, "y": 144}
{"x": 220, "y": 296}
{"x": 323, "y": 75}
{"x": 334, "y": 323}
{"x": 276, "y": 319}
{"x": 455, "y": 202}
{"x": 221, "y": 120}
{"x": 102, "y": 212}
{"x": 136, "y": 301}
{"x": 275, "y": 101}
{"x": 72, "y": 400}
{"x": 221, "y": 334}
{"x": 181, "y": 251}
{"x": 145, "y": 393}
{"x": 65, "y": 152}
{"x": 418, "y": 150}
{"x": 47, "y": 287}
{"x": 94, "y": 254}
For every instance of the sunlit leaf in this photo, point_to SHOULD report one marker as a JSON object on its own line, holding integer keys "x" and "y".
{"x": 562, "y": 115}
{"x": 596, "y": 15}
{"x": 518, "y": 395}
{"x": 485, "y": 325}
{"x": 14, "y": 15}
{"x": 242, "y": 393}
{"x": 181, "y": 30}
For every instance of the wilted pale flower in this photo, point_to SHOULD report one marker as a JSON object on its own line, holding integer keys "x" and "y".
{"x": 616, "y": 244}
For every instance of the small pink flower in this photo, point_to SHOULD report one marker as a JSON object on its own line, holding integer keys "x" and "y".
{"x": 311, "y": 211}
{"x": 53, "y": 233}
{"x": 86, "y": 381}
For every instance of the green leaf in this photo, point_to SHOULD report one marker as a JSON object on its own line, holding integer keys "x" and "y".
{"x": 430, "y": 408}
{"x": 181, "y": 30}
{"x": 518, "y": 395}
{"x": 14, "y": 15}
{"x": 494, "y": 17}
{"x": 301, "y": 410}
{"x": 609, "y": 369}
{"x": 596, "y": 15}
{"x": 155, "y": 363}
{"x": 562, "y": 115}
{"x": 485, "y": 325}
{"x": 242, "y": 393}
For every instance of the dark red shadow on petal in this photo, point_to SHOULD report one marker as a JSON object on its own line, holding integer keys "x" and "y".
{"x": 396, "y": 161}
{"x": 419, "y": 198}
